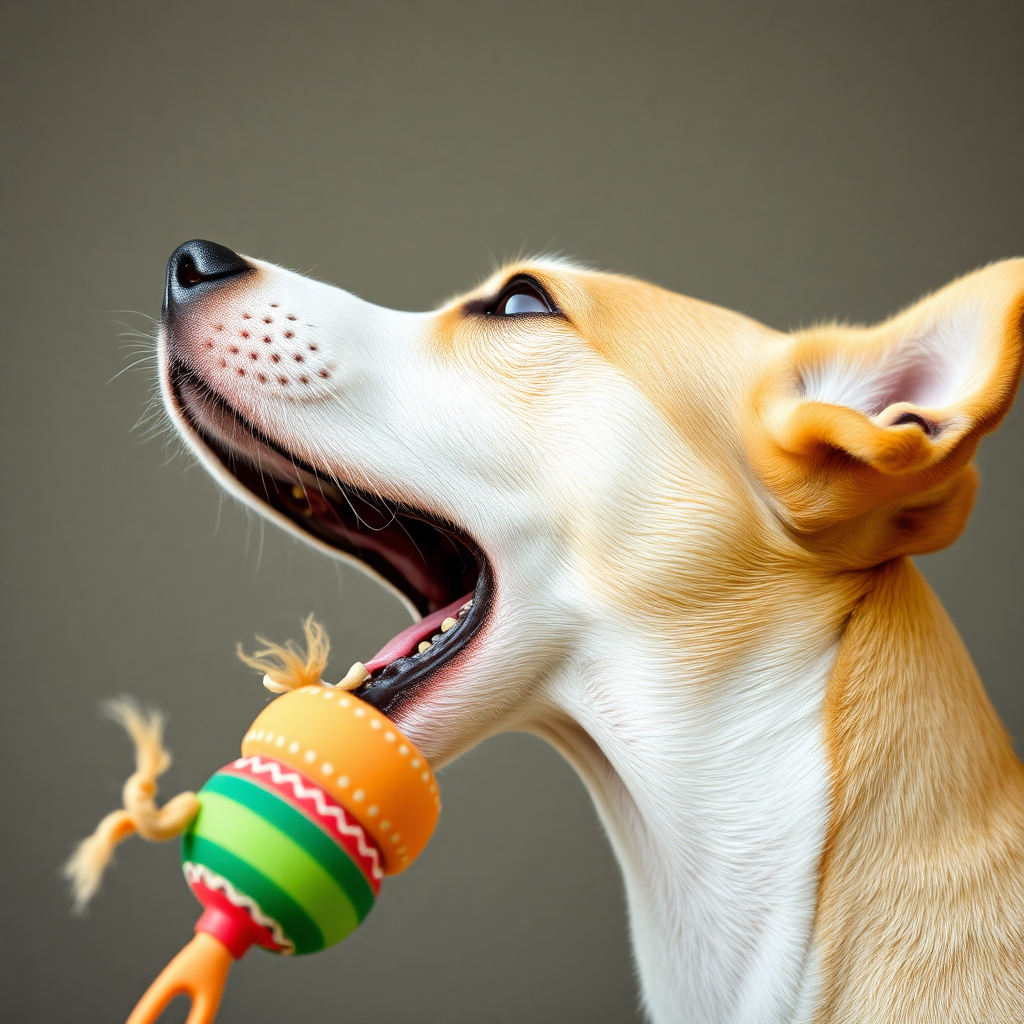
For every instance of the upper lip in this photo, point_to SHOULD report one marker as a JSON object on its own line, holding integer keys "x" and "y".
{"x": 432, "y": 561}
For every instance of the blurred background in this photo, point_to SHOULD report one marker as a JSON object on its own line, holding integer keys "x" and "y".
{"x": 793, "y": 161}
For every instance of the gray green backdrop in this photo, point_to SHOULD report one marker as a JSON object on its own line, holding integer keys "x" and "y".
{"x": 793, "y": 161}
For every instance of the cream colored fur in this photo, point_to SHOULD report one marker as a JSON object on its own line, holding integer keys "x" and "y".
{"x": 699, "y": 529}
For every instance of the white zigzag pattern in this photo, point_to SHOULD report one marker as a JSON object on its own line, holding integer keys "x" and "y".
{"x": 201, "y": 873}
{"x": 258, "y": 766}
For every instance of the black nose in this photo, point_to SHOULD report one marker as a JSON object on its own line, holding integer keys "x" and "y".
{"x": 196, "y": 263}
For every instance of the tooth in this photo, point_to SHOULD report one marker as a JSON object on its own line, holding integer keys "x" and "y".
{"x": 355, "y": 677}
{"x": 274, "y": 687}
{"x": 425, "y": 646}
{"x": 297, "y": 491}
{"x": 448, "y": 623}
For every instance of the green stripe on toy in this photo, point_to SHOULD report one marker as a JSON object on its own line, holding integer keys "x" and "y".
{"x": 300, "y": 928}
{"x": 279, "y": 813}
{"x": 279, "y": 858}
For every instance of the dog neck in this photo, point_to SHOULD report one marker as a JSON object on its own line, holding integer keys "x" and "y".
{"x": 713, "y": 785}
{"x": 749, "y": 803}
{"x": 922, "y": 878}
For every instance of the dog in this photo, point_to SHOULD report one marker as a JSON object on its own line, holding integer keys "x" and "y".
{"x": 675, "y": 544}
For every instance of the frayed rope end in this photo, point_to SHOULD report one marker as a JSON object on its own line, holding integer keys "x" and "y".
{"x": 287, "y": 666}
{"x": 85, "y": 868}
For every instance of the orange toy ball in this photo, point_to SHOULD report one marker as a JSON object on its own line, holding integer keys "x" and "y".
{"x": 360, "y": 758}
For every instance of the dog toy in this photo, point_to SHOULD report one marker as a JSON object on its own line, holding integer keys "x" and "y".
{"x": 285, "y": 847}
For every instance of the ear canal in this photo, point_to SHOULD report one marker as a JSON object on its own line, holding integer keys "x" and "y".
{"x": 912, "y": 417}
{"x": 856, "y": 422}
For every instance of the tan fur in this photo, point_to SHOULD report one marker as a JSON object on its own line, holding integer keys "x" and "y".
{"x": 848, "y": 478}
{"x": 921, "y": 909}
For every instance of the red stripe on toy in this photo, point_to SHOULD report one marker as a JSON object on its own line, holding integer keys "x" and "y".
{"x": 319, "y": 806}
{"x": 220, "y": 909}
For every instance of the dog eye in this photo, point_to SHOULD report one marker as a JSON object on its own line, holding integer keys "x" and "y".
{"x": 522, "y": 302}
{"x": 521, "y": 297}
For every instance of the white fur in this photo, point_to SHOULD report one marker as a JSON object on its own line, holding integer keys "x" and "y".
{"x": 716, "y": 807}
{"x": 930, "y": 369}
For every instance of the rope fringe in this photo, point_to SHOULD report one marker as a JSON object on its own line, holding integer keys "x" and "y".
{"x": 140, "y": 813}
{"x": 287, "y": 667}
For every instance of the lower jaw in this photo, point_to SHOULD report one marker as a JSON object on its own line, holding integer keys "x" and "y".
{"x": 397, "y": 683}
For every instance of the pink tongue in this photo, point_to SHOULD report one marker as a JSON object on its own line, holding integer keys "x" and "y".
{"x": 409, "y": 639}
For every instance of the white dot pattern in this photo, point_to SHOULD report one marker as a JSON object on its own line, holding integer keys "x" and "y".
{"x": 343, "y": 781}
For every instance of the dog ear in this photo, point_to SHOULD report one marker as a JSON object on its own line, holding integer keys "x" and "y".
{"x": 864, "y": 435}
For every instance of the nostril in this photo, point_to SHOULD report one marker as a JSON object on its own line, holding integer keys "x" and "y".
{"x": 188, "y": 273}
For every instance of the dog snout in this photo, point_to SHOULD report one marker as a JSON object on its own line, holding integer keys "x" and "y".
{"x": 195, "y": 267}
{"x": 244, "y": 329}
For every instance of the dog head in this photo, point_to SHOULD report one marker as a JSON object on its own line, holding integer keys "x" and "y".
{"x": 582, "y": 455}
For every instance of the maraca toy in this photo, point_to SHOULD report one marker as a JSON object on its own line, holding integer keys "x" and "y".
{"x": 286, "y": 846}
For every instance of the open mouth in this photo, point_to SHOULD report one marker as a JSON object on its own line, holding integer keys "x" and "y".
{"x": 439, "y": 568}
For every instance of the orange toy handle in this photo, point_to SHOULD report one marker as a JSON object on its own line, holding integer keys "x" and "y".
{"x": 199, "y": 971}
